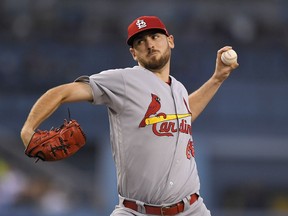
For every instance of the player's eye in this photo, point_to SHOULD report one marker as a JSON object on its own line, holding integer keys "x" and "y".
{"x": 155, "y": 36}
{"x": 138, "y": 41}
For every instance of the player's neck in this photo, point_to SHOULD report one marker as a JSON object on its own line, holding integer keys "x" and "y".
{"x": 162, "y": 76}
{"x": 163, "y": 73}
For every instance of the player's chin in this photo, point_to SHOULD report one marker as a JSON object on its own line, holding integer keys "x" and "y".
{"x": 154, "y": 68}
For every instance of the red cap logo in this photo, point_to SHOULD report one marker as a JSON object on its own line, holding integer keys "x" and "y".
{"x": 142, "y": 24}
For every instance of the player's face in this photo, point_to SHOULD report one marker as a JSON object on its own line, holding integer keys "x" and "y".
{"x": 152, "y": 49}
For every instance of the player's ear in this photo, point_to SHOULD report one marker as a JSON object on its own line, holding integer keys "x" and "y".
{"x": 171, "y": 41}
{"x": 132, "y": 51}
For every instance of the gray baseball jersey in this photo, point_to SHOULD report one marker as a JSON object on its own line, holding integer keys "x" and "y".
{"x": 151, "y": 136}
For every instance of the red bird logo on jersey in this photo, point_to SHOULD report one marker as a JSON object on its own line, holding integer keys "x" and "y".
{"x": 153, "y": 108}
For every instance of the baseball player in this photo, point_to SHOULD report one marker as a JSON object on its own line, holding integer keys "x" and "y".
{"x": 150, "y": 115}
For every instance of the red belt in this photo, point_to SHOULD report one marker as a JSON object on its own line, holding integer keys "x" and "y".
{"x": 164, "y": 210}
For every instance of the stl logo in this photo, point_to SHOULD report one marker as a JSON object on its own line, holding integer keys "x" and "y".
{"x": 141, "y": 24}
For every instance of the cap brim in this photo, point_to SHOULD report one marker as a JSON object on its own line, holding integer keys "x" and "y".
{"x": 132, "y": 37}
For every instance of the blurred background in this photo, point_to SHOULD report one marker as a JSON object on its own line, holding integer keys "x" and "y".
{"x": 241, "y": 138}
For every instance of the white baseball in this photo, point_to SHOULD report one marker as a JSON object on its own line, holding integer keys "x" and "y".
{"x": 229, "y": 57}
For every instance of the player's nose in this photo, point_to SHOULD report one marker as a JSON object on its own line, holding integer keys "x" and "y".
{"x": 149, "y": 42}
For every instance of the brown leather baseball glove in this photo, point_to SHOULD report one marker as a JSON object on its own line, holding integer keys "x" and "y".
{"x": 58, "y": 143}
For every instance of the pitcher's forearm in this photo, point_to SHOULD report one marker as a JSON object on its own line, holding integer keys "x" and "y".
{"x": 199, "y": 99}
{"x": 43, "y": 108}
